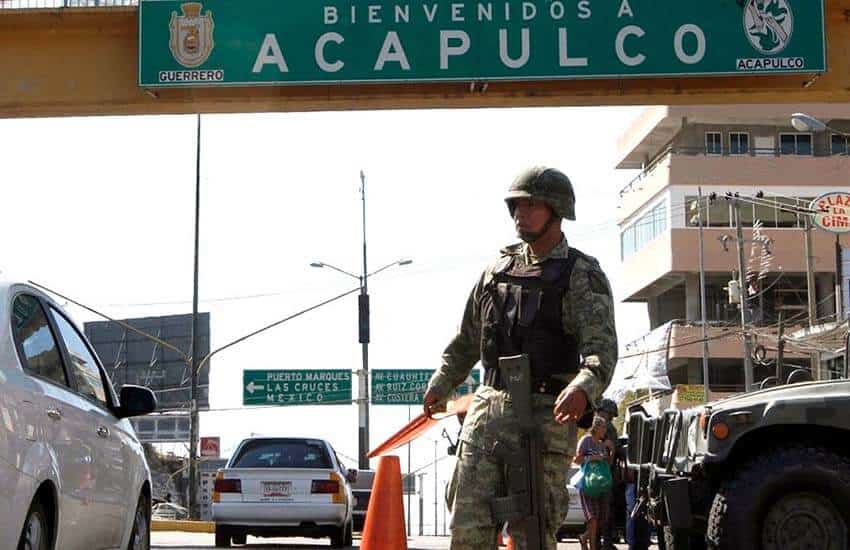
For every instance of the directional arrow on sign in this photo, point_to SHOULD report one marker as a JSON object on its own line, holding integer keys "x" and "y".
{"x": 251, "y": 387}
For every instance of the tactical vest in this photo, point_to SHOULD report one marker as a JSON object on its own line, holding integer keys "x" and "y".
{"x": 521, "y": 312}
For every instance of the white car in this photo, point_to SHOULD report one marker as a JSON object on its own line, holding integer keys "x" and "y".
{"x": 169, "y": 511}
{"x": 283, "y": 487}
{"x": 73, "y": 474}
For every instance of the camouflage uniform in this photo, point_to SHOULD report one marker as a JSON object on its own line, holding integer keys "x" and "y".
{"x": 588, "y": 315}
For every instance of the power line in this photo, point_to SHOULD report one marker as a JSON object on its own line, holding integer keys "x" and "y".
{"x": 724, "y": 334}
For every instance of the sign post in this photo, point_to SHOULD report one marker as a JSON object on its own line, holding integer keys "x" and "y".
{"x": 296, "y": 387}
{"x": 268, "y": 42}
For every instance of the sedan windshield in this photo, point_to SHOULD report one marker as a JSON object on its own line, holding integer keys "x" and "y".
{"x": 283, "y": 453}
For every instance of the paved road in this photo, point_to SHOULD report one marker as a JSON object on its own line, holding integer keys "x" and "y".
{"x": 192, "y": 541}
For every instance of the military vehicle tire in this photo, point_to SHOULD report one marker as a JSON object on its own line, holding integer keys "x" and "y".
{"x": 682, "y": 539}
{"x": 787, "y": 497}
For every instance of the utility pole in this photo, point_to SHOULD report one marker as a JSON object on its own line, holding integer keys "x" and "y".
{"x": 421, "y": 505}
{"x": 748, "y": 360}
{"x": 436, "y": 524}
{"x": 810, "y": 291}
{"x": 780, "y": 349}
{"x": 445, "y": 490}
{"x": 839, "y": 302}
{"x": 810, "y": 274}
{"x": 409, "y": 495}
{"x": 363, "y": 317}
{"x": 194, "y": 482}
{"x": 702, "y": 298}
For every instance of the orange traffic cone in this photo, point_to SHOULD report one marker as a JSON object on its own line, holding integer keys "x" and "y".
{"x": 384, "y": 529}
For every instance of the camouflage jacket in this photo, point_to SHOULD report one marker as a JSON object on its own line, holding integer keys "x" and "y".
{"x": 588, "y": 315}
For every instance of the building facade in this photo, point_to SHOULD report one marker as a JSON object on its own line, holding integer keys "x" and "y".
{"x": 747, "y": 155}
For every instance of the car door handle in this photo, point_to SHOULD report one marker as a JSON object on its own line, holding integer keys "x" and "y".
{"x": 55, "y": 414}
{"x": 103, "y": 431}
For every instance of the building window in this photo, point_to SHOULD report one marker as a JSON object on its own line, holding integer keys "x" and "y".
{"x": 739, "y": 143}
{"x": 795, "y": 144}
{"x": 839, "y": 144}
{"x": 713, "y": 143}
{"x": 643, "y": 230}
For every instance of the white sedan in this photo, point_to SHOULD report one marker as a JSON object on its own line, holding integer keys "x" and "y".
{"x": 283, "y": 487}
{"x": 73, "y": 474}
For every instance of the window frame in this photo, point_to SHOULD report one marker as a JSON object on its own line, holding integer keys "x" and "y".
{"x": 846, "y": 139}
{"x": 645, "y": 228}
{"x": 796, "y": 152}
{"x": 739, "y": 154}
{"x": 709, "y": 151}
{"x": 70, "y": 381}
{"x": 111, "y": 403}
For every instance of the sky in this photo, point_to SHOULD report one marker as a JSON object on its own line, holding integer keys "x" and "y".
{"x": 102, "y": 210}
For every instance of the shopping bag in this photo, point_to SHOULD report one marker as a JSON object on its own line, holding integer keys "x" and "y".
{"x": 596, "y": 478}
{"x": 577, "y": 480}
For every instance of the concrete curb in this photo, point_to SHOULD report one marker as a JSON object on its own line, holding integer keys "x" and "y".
{"x": 183, "y": 525}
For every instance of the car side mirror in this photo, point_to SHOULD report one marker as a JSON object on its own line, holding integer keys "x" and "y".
{"x": 351, "y": 475}
{"x": 135, "y": 401}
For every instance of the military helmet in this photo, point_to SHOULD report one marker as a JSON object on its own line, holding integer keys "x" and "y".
{"x": 608, "y": 405}
{"x": 545, "y": 184}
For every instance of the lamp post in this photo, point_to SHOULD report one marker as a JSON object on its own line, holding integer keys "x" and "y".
{"x": 363, "y": 375}
{"x": 194, "y": 479}
{"x": 363, "y": 335}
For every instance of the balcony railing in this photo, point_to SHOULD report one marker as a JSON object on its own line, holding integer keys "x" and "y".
{"x": 707, "y": 152}
{"x": 64, "y": 4}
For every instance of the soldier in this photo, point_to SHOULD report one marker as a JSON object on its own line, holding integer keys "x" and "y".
{"x": 549, "y": 301}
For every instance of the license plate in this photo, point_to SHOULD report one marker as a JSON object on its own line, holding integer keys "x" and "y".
{"x": 277, "y": 488}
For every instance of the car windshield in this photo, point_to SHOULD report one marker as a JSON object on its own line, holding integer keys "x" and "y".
{"x": 283, "y": 453}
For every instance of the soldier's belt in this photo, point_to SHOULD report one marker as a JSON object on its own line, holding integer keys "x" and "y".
{"x": 544, "y": 386}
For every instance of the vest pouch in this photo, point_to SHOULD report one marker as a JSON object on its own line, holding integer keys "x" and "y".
{"x": 482, "y": 425}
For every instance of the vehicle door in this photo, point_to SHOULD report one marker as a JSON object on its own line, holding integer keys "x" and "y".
{"x": 112, "y": 460}
{"x": 62, "y": 427}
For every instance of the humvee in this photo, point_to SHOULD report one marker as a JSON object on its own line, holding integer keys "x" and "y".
{"x": 766, "y": 470}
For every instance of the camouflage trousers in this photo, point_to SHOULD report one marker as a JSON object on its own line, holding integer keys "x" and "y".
{"x": 478, "y": 478}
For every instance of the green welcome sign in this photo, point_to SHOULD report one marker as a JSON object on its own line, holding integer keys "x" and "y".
{"x": 256, "y": 42}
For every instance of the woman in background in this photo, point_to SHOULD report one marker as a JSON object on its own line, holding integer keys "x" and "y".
{"x": 593, "y": 447}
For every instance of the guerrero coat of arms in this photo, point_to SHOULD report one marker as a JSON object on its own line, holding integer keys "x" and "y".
{"x": 191, "y": 35}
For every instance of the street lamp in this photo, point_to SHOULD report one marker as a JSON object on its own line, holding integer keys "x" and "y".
{"x": 363, "y": 338}
{"x": 806, "y": 123}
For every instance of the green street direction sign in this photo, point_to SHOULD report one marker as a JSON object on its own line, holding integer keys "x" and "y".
{"x": 407, "y": 386}
{"x": 256, "y": 42}
{"x": 296, "y": 387}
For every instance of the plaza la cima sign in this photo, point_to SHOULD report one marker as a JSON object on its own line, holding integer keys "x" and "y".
{"x": 832, "y": 212}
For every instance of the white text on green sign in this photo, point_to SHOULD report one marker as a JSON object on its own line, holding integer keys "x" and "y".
{"x": 221, "y": 42}
{"x": 407, "y": 386}
{"x": 296, "y": 387}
